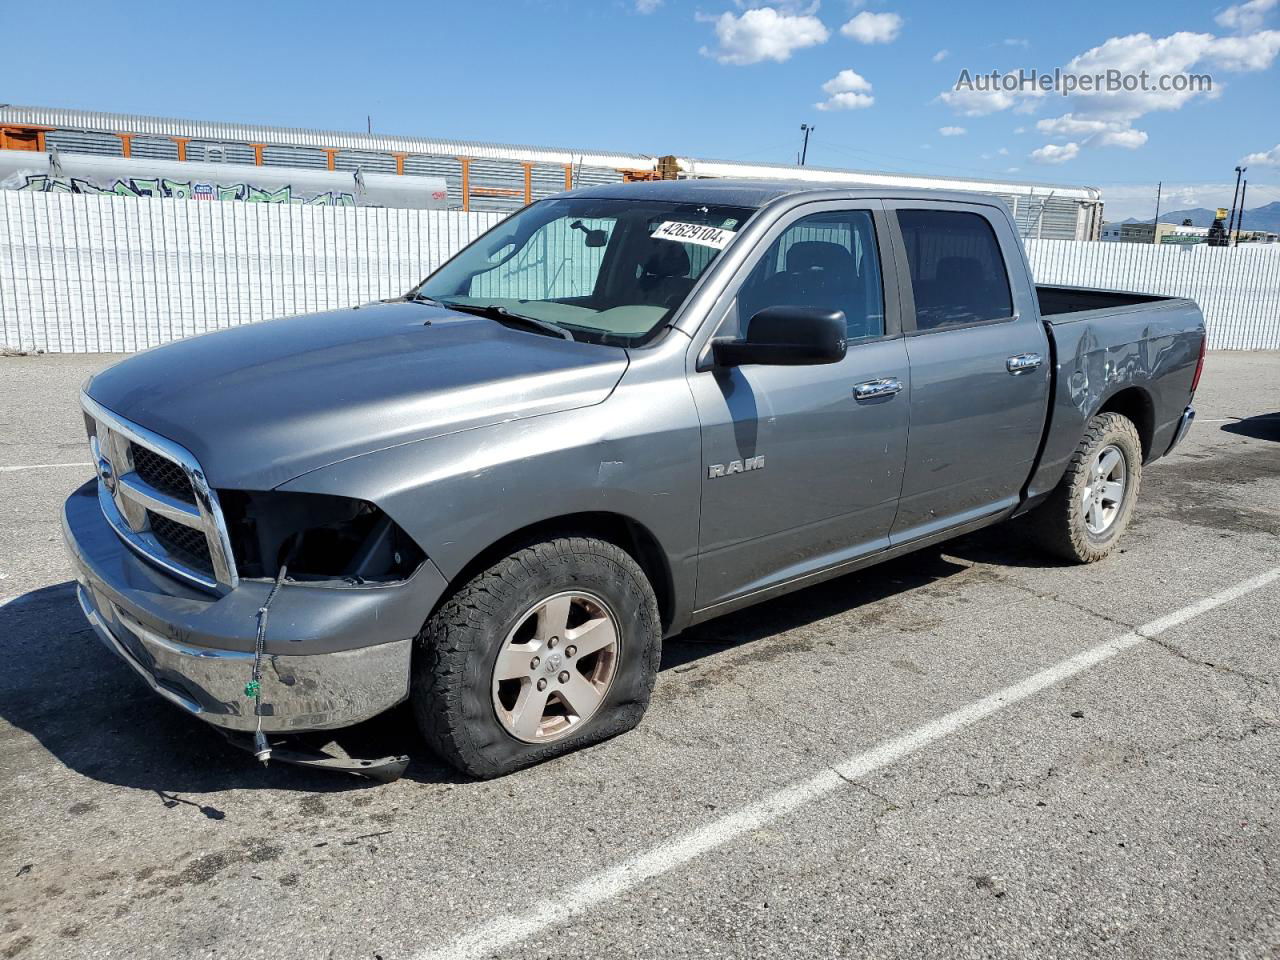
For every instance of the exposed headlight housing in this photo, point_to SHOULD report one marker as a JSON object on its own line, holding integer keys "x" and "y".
{"x": 320, "y": 537}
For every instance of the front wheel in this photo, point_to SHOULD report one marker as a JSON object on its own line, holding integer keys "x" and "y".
{"x": 1085, "y": 516}
{"x": 552, "y": 648}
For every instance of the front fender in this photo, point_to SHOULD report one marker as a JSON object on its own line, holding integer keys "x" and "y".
{"x": 636, "y": 456}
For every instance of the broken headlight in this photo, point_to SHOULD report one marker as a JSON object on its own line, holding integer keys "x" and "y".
{"x": 320, "y": 537}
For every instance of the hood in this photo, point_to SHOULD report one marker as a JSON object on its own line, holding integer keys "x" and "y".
{"x": 261, "y": 404}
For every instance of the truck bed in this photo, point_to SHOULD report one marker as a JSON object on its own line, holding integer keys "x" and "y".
{"x": 1056, "y": 301}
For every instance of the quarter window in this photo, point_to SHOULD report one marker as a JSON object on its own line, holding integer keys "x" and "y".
{"x": 826, "y": 260}
{"x": 958, "y": 275}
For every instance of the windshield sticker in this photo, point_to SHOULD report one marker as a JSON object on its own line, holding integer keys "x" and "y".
{"x": 699, "y": 233}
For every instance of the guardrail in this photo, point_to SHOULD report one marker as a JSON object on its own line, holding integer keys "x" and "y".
{"x": 82, "y": 273}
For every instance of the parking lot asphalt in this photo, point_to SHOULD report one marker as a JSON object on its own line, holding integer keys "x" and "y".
{"x": 972, "y": 751}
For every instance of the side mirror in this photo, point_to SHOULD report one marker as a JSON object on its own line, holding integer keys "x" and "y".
{"x": 786, "y": 336}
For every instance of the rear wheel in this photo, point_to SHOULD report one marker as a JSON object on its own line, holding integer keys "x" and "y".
{"x": 550, "y": 649}
{"x": 1085, "y": 516}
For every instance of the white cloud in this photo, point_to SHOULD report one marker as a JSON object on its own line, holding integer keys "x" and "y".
{"x": 1245, "y": 17}
{"x": 1268, "y": 158}
{"x": 1017, "y": 42}
{"x": 1055, "y": 154}
{"x": 978, "y": 103}
{"x": 1002, "y": 152}
{"x": 1102, "y": 118}
{"x": 1178, "y": 53}
{"x": 868, "y": 27}
{"x": 1103, "y": 133}
{"x": 1254, "y": 52}
{"x": 952, "y": 131}
{"x": 940, "y": 55}
{"x": 1012, "y": 169}
{"x": 847, "y": 90}
{"x": 763, "y": 33}
{"x": 647, "y": 6}
{"x": 1128, "y": 138}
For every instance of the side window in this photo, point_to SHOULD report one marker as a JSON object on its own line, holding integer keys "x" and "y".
{"x": 957, "y": 272}
{"x": 825, "y": 260}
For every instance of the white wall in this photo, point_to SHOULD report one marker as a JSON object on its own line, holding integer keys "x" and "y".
{"x": 92, "y": 273}
{"x": 1238, "y": 288}
{"x": 88, "y": 273}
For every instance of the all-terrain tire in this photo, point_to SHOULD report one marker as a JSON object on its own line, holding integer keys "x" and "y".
{"x": 452, "y": 682}
{"x": 1059, "y": 524}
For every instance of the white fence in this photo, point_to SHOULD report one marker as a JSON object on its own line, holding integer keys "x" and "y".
{"x": 1238, "y": 288}
{"x": 97, "y": 273}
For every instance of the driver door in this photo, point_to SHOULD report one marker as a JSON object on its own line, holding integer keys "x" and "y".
{"x": 799, "y": 472}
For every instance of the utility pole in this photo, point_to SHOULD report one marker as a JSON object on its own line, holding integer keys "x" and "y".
{"x": 1231, "y": 223}
{"x": 1240, "y": 222}
{"x": 1155, "y": 224}
{"x": 369, "y": 122}
{"x": 806, "y": 129}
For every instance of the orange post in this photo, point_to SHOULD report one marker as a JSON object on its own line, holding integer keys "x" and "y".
{"x": 23, "y": 138}
{"x": 126, "y": 144}
{"x": 568, "y": 176}
{"x": 466, "y": 182}
{"x": 182, "y": 146}
{"x": 400, "y": 162}
{"x": 257, "y": 152}
{"x": 330, "y": 153}
{"x": 528, "y": 183}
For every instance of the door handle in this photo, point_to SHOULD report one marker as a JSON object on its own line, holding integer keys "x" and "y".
{"x": 1023, "y": 363}
{"x": 874, "y": 389}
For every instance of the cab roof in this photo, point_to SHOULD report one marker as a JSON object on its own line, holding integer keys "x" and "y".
{"x": 759, "y": 193}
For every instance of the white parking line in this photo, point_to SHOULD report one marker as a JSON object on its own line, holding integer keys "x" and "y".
{"x": 507, "y": 931}
{"x": 41, "y": 466}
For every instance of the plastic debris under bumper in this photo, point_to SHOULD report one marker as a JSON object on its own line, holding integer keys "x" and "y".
{"x": 319, "y": 692}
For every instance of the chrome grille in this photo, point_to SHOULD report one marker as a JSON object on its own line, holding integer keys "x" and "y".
{"x": 162, "y": 473}
{"x": 185, "y": 544}
{"x": 155, "y": 496}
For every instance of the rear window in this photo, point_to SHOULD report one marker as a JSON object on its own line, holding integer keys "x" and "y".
{"x": 958, "y": 275}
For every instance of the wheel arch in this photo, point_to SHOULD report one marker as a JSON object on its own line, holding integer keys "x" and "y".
{"x": 616, "y": 528}
{"x": 1136, "y": 404}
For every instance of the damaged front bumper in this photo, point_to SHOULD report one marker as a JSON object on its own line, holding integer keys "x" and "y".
{"x": 334, "y": 657}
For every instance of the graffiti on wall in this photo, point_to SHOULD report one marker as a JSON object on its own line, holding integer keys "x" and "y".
{"x": 179, "y": 190}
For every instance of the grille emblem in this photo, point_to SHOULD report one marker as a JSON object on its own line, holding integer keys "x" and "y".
{"x": 106, "y": 472}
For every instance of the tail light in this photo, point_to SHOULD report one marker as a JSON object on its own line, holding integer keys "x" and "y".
{"x": 1195, "y": 381}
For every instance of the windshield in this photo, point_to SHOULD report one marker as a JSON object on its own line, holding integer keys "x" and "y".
{"x": 608, "y": 271}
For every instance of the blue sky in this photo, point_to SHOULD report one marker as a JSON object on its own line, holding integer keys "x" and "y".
{"x": 714, "y": 78}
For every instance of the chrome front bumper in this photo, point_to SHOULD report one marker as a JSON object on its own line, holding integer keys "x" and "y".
{"x": 299, "y": 693}
{"x": 333, "y": 657}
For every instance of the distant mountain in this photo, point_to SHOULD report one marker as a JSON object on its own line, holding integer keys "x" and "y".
{"x": 1266, "y": 217}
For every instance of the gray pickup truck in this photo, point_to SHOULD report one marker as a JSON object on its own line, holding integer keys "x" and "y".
{"x": 620, "y": 412}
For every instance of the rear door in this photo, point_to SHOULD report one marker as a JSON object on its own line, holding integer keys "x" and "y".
{"x": 980, "y": 365}
{"x": 799, "y": 472}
